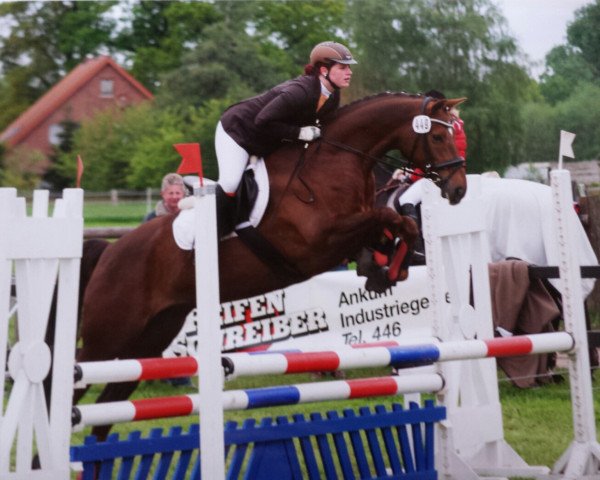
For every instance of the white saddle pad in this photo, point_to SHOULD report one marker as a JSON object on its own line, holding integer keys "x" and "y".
{"x": 183, "y": 226}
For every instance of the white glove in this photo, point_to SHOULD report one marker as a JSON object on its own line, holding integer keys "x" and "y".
{"x": 308, "y": 134}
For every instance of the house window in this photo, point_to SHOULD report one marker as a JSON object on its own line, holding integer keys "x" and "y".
{"x": 54, "y": 133}
{"x": 107, "y": 88}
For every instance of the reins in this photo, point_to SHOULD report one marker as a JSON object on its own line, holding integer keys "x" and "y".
{"x": 405, "y": 164}
{"x": 431, "y": 171}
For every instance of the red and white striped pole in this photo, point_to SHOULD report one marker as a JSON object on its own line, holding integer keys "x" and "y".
{"x": 146, "y": 409}
{"x": 274, "y": 363}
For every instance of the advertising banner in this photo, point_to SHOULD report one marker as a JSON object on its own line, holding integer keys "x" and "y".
{"x": 330, "y": 310}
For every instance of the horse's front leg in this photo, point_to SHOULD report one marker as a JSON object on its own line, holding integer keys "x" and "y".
{"x": 370, "y": 228}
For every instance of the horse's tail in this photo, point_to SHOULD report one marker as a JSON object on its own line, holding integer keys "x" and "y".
{"x": 92, "y": 250}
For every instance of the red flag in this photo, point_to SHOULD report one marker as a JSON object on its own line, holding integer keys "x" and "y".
{"x": 79, "y": 171}
{"x": 191, "y": 161}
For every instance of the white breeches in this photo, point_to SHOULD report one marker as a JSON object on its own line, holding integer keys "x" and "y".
{"x": 232, "y": 160}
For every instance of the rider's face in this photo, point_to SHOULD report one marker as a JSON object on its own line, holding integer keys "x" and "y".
{"x": 340, "y": 75}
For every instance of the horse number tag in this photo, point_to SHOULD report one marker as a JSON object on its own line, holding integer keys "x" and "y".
{"x": 421, "y": 124}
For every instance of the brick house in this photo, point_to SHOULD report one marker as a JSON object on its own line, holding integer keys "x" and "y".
{"x": 93, "y": 85}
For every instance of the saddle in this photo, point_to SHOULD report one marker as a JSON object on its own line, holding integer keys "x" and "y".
{"x": 240, "y": 217}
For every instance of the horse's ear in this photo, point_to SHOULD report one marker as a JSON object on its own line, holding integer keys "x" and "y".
{"x": 448, "y": 104}
{"x": 454, "y": 102}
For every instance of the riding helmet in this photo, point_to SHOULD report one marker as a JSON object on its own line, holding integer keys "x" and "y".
{"x": 327, "y": 52}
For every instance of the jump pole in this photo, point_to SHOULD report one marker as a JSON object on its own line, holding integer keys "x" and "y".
{"x": 285, "y": 363}
{"x": 210, "y": 381}
{"x": 183, "y": 405}
{"x": 291, "y": 362}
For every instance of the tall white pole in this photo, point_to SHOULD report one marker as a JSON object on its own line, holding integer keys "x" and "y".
{"x": 583, "y": 455}
{"x": 210, "y": 378}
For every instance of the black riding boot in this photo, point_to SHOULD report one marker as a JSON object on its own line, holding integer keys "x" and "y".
{"x": 226, "y": 212}
{"x": 418, "y": 254}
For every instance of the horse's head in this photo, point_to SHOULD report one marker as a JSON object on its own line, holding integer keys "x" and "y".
{"x": 432, "y": 147}
{"x": 421, "y": 128}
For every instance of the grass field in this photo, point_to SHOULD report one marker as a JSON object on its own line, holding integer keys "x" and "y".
{"x": 104, "y": 214}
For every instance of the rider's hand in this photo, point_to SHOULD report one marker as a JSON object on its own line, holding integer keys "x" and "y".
{"x": 308, "y": 134}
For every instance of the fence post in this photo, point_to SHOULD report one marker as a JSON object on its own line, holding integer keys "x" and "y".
{"x": 114, "y": 197}
{"x": 148, "y": 200}
{"x": 210, "y": 379}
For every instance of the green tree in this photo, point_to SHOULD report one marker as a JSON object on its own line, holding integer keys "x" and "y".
{"x": 134, "y": 148}
{"x": 155, "y": 155}
{"x": 584, "y": 33}
{"x": 158, "y": 34}
{"x": 254, "y": 46}
{"x": 571, "y": 83}
{"x": 226, "y": 64}
{"x": 23, "y": 168}
{"x": 565, "y": 70}
{"x": 289, "y": 30}
{"x": 46, "y": 40}
{"x": 15, "y": 95}
{"x": 580, "y": 114}
{"x": 106, "y": 144}
{"x": 493, "y": 119}
{"x": 459, "y": 48}
{"x": 540, "y": 133}
{"x": 53, "y": 176}
{"x": 422, "y": 44}
{"x": 578, "y": 61}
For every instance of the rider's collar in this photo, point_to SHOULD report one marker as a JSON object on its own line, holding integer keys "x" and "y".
{"x": 324, "y": 90}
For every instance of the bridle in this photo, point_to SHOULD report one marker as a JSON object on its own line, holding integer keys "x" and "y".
{"x": 422, "y": 127}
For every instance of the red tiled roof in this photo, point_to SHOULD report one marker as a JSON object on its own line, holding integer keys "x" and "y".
{"x": 59, "y": 94}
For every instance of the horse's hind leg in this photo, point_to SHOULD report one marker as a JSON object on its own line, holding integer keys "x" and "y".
{"x": 159, "y": 332}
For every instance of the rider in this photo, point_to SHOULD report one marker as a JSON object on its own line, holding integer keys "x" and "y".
{"x": 288, "y": 112}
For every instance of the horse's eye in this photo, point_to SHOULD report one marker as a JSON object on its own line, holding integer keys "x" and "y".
{"x": 438, "y": 138}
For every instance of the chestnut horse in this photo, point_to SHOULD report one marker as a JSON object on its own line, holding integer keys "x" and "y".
{"x": 321, "y": 211}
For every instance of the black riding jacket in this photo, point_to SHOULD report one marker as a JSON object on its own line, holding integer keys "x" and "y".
{"x": 259, "y": 124}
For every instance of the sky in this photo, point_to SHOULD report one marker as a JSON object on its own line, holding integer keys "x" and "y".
{"x": 539, "y": 25}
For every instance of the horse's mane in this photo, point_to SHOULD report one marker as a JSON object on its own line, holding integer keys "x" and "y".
{"x": 357, "y": 103}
